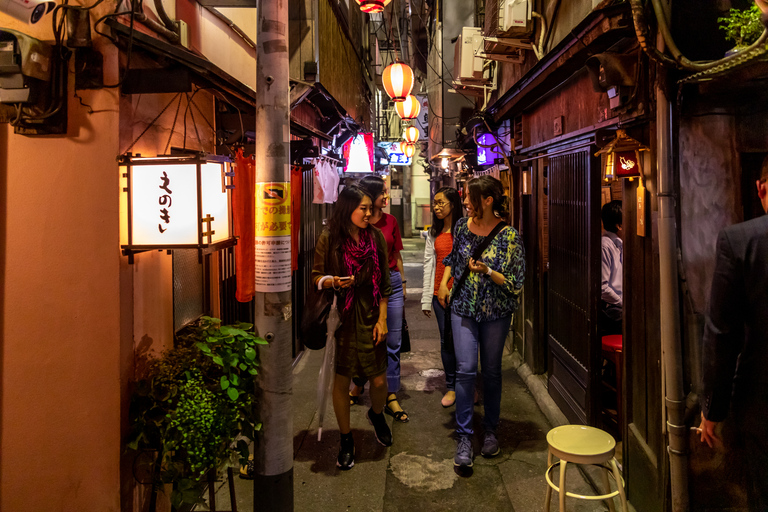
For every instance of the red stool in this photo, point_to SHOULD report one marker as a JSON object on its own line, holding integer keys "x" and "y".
{"x": 613, "y": 351}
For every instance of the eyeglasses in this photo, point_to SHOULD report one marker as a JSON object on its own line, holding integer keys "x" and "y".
{"x": 439, "y": 204}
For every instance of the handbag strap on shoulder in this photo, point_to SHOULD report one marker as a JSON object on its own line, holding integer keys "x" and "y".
{"x": 479, "y": 250}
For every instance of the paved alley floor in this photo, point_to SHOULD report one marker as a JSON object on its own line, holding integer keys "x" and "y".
{"x": 417, "y": 472}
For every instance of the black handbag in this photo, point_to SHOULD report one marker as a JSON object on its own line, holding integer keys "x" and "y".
{"x": 479, "y": 250}
{"x": 314, "y": 331}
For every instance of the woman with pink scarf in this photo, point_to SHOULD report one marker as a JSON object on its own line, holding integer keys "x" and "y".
{"x": 355, "y": 254}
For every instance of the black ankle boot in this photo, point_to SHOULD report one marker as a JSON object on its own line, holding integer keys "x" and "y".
{"x": 346, "y": 457}
{"x": 380, "y": 428}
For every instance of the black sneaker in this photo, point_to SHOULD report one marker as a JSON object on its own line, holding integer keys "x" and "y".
{"x": 490, "y": 445}
{"x": 464, "y": 452}
{"x": 346, "y": 458}
{"x": 380, "y": 428}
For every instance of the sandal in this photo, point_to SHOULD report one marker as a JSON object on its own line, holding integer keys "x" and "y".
{"x": 400, "y": 415}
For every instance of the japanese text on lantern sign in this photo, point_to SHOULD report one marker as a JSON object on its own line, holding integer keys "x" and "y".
{"x": 165, "y": 200}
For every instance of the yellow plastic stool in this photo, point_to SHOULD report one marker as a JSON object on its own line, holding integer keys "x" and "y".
{"x": 580, "y": 444}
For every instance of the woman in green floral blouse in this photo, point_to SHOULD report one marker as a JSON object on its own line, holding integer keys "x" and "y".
{"x": 481, "y": 310}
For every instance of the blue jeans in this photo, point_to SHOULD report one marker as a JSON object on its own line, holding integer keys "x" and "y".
{"x": 449, "y": 358}
{"x": 469, "y": 336}
{"x": 395, "y": 331}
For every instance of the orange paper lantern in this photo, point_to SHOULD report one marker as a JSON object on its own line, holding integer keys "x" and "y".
{"x": 407, "y": 149}
{"x": 411, "y": 134}
{"x": 398, "y": 81}
{"x": 408, "y": 109}
{"x": 372, "y": 6}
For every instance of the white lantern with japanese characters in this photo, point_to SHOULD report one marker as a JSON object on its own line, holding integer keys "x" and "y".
{"x": 175, "y": 202}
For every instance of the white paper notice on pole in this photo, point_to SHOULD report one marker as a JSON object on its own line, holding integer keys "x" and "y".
{"x": 273, "y": 263}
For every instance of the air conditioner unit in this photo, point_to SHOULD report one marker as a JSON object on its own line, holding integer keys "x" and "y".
{"x": 467, "y": 67}
{"x": 514, "y": 14}
{"x": 508, "y": 18}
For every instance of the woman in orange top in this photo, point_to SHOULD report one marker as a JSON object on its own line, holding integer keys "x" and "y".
{"x": 446, "y": 211}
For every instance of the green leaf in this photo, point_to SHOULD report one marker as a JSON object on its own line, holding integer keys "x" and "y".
{"x": 244, "y": 326}
{"x": 233, "y": 393}
{"x": 218, "y": 360}
{"x": 243, "y": 366}
{"x": 253, "y": 371}
{"x": 257, "y": 427}
{"x": 262, "y": 341}
{"x": 237, "y": 332}
{"x": 185, "y": 483}
{"x": 234, "y": 379}
{"x": 225, "y": 330}
{"x": 204, "y": 347}
{"x": 224, "y": 382}
{"x": 250, "y": 353}
{"x": 176, "y": 498}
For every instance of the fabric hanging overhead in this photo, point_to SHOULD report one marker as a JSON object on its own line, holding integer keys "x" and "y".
{"x": 326, "y": 181}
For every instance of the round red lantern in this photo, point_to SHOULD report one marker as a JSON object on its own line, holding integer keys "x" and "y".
{"x": 408, "y": 109}
{"x": 407, "y": 149}
{"x": 398, "y": 81}
{"x": 372, "y": 6}
{"x": 411, "y": 134}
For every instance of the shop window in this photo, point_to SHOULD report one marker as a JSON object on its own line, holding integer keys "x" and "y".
{"x": 189, "y": 302}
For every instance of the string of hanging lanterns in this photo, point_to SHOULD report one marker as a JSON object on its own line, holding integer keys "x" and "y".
{"x": 398, "y": 79}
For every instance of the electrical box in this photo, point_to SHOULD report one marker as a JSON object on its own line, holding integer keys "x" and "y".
{"x": 514, "y": 14}
{"x": 467, "y": 66}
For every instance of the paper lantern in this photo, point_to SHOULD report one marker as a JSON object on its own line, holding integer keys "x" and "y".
{"x": 407, "y": 149}
{"x": 372, "y": 6}
{"x": 408, "y": 109}
{"x": 621, "y": 157}
{"x": 175, "y": 202}
{"x": 398, "y": 81}
{"x": 411, "y": 134}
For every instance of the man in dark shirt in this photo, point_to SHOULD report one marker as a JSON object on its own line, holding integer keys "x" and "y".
{"x": 735, "y": 348}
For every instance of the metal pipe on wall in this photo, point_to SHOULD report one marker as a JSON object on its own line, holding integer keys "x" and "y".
{"x": 671, "y": 342}
{"x": 273, "y": 457}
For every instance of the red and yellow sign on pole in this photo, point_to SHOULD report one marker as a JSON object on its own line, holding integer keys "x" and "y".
{"x": 273, "y": 237}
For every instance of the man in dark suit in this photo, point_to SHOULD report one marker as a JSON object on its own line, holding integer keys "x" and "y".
{"x": 735, "y": 351}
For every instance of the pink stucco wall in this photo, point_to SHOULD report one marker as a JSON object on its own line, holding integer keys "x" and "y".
{"x": 60, "y": 311}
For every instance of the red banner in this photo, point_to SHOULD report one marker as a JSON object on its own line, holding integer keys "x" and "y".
{"x": 243, "y": 210}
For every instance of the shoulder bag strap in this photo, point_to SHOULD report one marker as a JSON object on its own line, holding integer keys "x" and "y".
{"x": 479, "y": 252}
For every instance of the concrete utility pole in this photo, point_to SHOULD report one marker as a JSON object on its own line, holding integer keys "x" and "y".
{"x": 273, "y": 458}
{"x": 671, "y": 342}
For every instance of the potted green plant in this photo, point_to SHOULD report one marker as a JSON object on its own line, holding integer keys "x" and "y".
{"x": 743, "y": 27}
{"x": 192, "y": 408}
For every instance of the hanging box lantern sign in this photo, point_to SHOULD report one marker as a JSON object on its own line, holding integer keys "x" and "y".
{"x": 621, "y": 157}
{"x": 398, "y": 81}
{"x": 176, "y": 202}
{"x": 626, "y": 164}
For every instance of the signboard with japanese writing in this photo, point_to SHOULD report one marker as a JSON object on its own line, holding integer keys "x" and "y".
{"x": 396, "y": 157}
{"x": 164, "y": 205}
{"x": 273, "y": 237}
